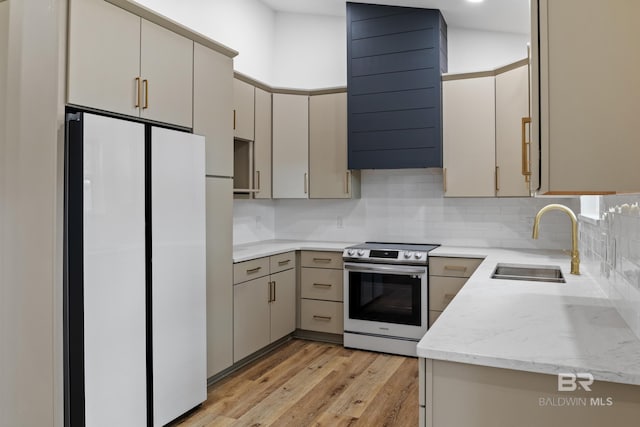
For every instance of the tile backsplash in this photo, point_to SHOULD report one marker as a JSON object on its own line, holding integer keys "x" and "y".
{"x": 610, "y": 250}
{"x": 406, "y": 206}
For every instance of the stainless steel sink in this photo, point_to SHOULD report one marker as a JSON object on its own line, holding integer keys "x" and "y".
{"x": 532, "y": 273}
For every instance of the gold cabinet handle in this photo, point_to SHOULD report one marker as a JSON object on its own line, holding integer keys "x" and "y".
{"x": 306, "y": 184}
{"x": 253, "y": 270}
{"x": 257, "y": 181}
{"x": 270, "y": 291}
{"x": 323, "y": 285}
{"x": 346, "y": 182}
{"x": 137, "y": 80}
{"x": 234, "y": 119}
{"x": 284, "y": 262}
{"x": 444, "y": 179}
{"x": 455, "y": 268}
{"x": 497, "y": 178}
{"x": 274, "y": 291}
{"x": 525, "y": 157}
{"x": 145, "y": 82}
{"x": 324, "y": 260}
{"x": 325, "y": 318}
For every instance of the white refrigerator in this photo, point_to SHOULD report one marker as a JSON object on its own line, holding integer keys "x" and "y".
{"x": 135, "y": 272}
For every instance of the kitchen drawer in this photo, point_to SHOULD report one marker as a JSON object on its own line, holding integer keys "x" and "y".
{"x": 321, "y": 283}
{"x": 248, "y": 270}
{"x": 321, "y": 259}
{"x": 321, "y": 316}
{"x": 454, "y": 267}
{"x": 442, "y": 290}
{"x": 283, "y": 262}
{"x": 433, "y": 316}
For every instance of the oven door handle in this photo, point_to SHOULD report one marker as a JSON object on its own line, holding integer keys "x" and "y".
{"x": 379, "y": 268}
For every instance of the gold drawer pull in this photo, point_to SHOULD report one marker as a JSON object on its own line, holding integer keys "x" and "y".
{"x": 254, "y": 270}
{"x": 145, "y": 83}
{"x": 323, "y": 285}
{"x": 526, "y": 171}
{"x": 325, "y": 260}
{"x": 324, "y": 318}
{"x": 234, "y": 119}
{"x": 455, "y": 267}
{"x": 284, "y": 262}
{"x": 137, "y": 79}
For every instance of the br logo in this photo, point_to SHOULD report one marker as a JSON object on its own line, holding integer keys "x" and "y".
{"x": 573, "y": 382}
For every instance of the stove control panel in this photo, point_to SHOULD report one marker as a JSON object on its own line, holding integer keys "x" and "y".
{"x": 385, "y": 255}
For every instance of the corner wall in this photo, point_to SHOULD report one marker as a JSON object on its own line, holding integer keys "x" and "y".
{"x": 610, "y": 250}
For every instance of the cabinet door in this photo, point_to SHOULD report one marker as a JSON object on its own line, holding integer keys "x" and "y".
{"x": 512, "y": 105}
{"x": 213, "y": 107}
{"x": 219, "y": 274}
{"x": 588, "y": 95}
{"x": 251, "y": 329}
{"x": 243, "y": 110}
{"x": 328, "y": 174}
{"x": 469, "y": 137}
{"x": 262, "y": 145}
{"x": 283, "y": 306}
{"x": 290, "y": 146}
{"x": 166, "y": 67}
{"x": 104, "y": 57}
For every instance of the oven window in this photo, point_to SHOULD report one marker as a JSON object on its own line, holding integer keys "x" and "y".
{"x": 390, "y": 298}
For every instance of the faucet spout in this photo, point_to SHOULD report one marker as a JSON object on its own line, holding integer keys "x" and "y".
{"x": 575, "y": 255}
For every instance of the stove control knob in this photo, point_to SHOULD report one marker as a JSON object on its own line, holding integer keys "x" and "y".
{"x": 360, "y": 252}
{"x": 350, "y": 252}
{"x": 418, "y": 255}
{"x": 408, "y": 254}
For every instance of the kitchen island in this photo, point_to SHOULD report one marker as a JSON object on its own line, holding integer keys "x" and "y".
{"x": 494, "y": 356}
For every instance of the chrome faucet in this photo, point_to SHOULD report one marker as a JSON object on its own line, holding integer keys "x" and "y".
{"x": 575, "y": 256}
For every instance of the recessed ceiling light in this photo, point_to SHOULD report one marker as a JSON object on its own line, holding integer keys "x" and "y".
{"x": 475, "y": 1}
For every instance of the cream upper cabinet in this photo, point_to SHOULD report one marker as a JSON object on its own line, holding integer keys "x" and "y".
{"x": 290, "y": 146}
{"x": 213, "y": 108}
{"x": 243, "y": 110}
{"x": 262, "y": 145}
{"x": 166, "y": 67}
{"x": 104, "y": 57}
{"x": 121, "y": 63}
{"x": 329, "y": 177}
{"x": 587, "y": 91}
{"x": 512, "y": 107}
{"x": 469, "y": 137}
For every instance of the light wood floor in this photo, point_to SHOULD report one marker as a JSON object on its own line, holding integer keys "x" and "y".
{"x": 305, "y": 383}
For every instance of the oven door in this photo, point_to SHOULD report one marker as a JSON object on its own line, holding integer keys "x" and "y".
{"x": 389, "y": 300}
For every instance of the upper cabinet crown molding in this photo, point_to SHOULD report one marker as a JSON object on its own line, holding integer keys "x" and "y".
{"x": 585, "y": 96}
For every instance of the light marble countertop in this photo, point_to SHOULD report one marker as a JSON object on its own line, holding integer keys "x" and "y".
{"x": 533, "y": 326}
{"x": 248, "y": 251}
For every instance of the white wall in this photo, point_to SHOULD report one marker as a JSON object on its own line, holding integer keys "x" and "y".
{"x": 310, "y": 51}
{"x": 247, "y": 26}
{"x": 408, "y": 206}
{"x": 472, "y": 50}
{"x": 253, "y": 220}
{"x": 30, "y": 246}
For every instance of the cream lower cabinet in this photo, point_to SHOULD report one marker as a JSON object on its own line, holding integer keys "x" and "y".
{"x": 585, "y": 96}
{"x": 264, "y": 302}
{"x": 329, "y": 177}
{"x": 459, "y": 394}
{"x": 321, "y": 291}
{"x": 468, "y": 140}
{"x": 290, "y": 146}
{"x": 121, "y": 63}
{"x": 446, "y": 277}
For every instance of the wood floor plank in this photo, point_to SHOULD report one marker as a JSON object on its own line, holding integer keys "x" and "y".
{"x": 279, "y": 401}
{"x": 309, "y": 408}
{"x": 362, "y": 391}
{"x": 306, "y": 383}
{"x": 394, "y": 404}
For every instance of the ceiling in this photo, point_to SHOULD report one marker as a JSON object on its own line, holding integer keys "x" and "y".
{"x": 492, "y": 15}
